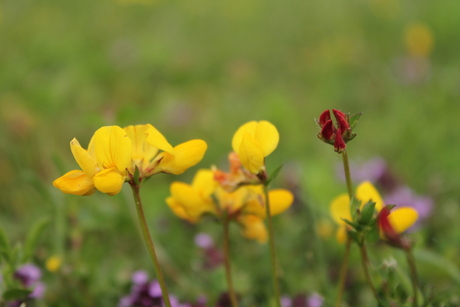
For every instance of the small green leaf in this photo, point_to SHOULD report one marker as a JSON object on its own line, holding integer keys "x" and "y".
{"x": 354, "y": 236}
{"x": 273, "y": 175}
{"x": 34, "y": 237}
{"x": 353, "y": 120}
{"x": 373, "y": 235}
{"x": 16, "y": 294}
{"x": 367, "y": 213}
{"x": 354, "y": 225}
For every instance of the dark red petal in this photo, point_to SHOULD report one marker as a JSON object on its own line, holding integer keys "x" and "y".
{"x": 341, "y": 121}
{"x": 324, "y": 118}
{"x": 385, "y": 226}
{"x": 328, "y": 130}
{"x": 339, "y": 144}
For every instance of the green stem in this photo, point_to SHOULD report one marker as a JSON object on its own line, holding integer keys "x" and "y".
{"x": 149, "y": 243}
{"x": 413, "y": 271}
{"x": 346, "y": 168}
{"x": 271, "y": 239}
{"x": 228, "y": 271}
{"x": 343, "y": 273}
{"x": 365, "y": 262}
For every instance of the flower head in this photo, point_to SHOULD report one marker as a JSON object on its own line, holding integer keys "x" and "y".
{"x": 253, "y": 142}
{"x": 392, "y": 224}
{"x": 244, "y": 205}
{"x": 340, "y": 134}
{"x": 401, "y": 220}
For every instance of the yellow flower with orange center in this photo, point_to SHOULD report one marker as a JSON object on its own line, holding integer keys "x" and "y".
{"x": 246, "y": 205}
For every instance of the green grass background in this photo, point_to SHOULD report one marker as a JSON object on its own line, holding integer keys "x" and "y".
{"x": 200, "y": 69}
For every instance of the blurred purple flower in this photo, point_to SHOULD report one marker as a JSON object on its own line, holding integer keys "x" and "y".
{"x": 372, "y": 170}
{"x": 145, "y": 293}
{"x": 203, "y": 240}
{"x": 302, "y": 300}
{"x": 315, "y": 300}
{"x": 403, "y": 196}
{"x": 28, "y": 274}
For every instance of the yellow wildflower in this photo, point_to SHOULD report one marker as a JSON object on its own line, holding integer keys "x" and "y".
{"x": 53, "y": 263}
{"x": 253, "y": 142}
{"x": 366, "y": 192}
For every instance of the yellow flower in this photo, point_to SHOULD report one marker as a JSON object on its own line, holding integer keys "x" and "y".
{"x": 245, "y": 205}
{"x": 253, "y": 142}
{"x": 175, "y": 160}
{"x": 103, "y": 165}
{"x": 53, "y": 263}
{"x": 366, "y": 192}
{"x": 419, "y": 40}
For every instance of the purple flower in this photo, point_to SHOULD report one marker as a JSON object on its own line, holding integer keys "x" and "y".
{"x": 140, "y": 277}
{"x": 315, "y": 300}
{"x": 204, "y": 241}
{"x": 28, "y": 274}
{"x": 302, "y": 300}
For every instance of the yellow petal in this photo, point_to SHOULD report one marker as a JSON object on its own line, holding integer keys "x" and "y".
{"x": 179, "y": 211}
{"x": 112, "y": 148}
{"x": 268, "y": 137}
{"x": 75, "y": 182}
{"x": 253, "y": 228}
{"x": 340, "y": 209}
{"x": 367, "y": 192}
{"x": 232, "y": 201}
{"x": 142, "y": 152}
{"x": 249, "y": 127}
{"x": 250, "y": 154}
{"x": 402, "y": 218}
{"x": 263, "y": 132}
{"x": 156, "y": 139}
{"x": 185, "y": 156}
{"x": 109, "y": 181}
{"x": 280, "y": 200}
{"x": 204, "y": 183}
{"x": 85, "y": 161}
{"x": 190, "y": 200}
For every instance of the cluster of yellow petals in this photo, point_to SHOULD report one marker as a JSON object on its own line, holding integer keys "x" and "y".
{"x": 253, "y": 142}
{"x": 114, "y": 153}
{"x": 246, "y": 205}
{"x": 400, "y": 218}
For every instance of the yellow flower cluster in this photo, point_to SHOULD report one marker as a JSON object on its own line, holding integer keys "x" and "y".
{"x": 400, "y": 218}
{"x": 114, "y": 153}
{"x": 238, "y": 195}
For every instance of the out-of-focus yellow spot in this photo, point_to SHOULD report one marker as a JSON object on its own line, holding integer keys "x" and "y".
{"x": 53, "y": 263}
{"x": 419, "y": 39}
{"x": 324, "y": 228}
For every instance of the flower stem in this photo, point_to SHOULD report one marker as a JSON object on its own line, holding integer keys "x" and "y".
{"x": 228, "y": 270}
{"x": 365, "y": 263}
{"x": 346, "y": 168}
{"x": 271, "y": 239}
{"x": 149, "y": 243}
{"x": 343, "y": 273}
{"x": 343, "y": 269}
{"x": 413, "y": 271}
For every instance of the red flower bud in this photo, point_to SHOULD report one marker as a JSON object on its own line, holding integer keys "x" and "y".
{"x": 387, "y": 229}
{"x": 340, "y": 134}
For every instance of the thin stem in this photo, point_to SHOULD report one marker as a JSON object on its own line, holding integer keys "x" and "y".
{"x": 413, "y": 271}
{"x": 271, "y": 239}
{"x": 149, "y": 243}
{"x": 346, "y": 168}
{"x": 228, "y": 270}
{"x": 343, "y": 272}
{"x": 365, "y": 262}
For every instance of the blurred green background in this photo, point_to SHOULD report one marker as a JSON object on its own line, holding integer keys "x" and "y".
{"x": 200, "y": 69}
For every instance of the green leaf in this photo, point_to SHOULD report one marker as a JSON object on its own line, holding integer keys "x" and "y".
{"x": 16, "y": 294}
{"x": 34, "y": 237}
{"x": 273, "y": 175}
{"x": 353, "y": 120}
{"x": 367, "y": 213}
{"x": 373, "y": 235}
{"x": 354, "y": 236}
{"x": 354, "y": 225}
